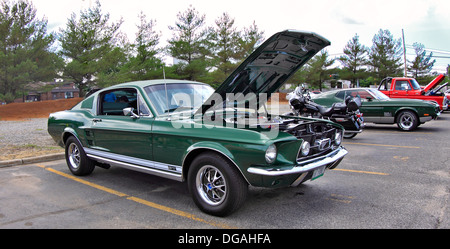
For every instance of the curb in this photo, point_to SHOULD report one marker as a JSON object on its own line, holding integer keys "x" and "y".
{"x": 37, "y": 159}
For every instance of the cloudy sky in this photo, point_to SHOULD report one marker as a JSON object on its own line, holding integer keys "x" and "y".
{"x": 423, "y": 21}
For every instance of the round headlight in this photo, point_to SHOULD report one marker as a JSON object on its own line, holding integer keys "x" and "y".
{"x": 338, "y": 138}
{"x": 271, "y": 153}
{"x": 304, "y": 148}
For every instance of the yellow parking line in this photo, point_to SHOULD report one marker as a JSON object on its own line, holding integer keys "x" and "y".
{"x": 179, "y": 213}
{"x": 139, "y": 200}
{"x": 111, "y": 191}
{"x": 363, "y": 172}
{"x": 385, "y": 145}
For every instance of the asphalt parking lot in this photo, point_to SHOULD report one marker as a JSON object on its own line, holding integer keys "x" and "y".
{"x": 389, "y": 179}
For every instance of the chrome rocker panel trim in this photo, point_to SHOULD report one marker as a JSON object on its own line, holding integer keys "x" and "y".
{"x": 303, "y": 167}
{"x": 169, "y": 171}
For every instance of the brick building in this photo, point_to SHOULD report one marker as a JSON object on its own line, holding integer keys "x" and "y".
{"x": 41, "y": 91}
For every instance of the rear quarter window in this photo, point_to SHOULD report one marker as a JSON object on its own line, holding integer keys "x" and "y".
{"x": 340, "y": 95}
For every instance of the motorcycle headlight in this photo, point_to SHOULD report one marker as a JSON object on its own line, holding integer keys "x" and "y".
{"x": 304, "y": 148}
{"x": 338, "y": 138}
{"x": 271, "y": 153}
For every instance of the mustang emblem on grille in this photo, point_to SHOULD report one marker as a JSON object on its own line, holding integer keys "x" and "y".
{"x": 323, "y": 143}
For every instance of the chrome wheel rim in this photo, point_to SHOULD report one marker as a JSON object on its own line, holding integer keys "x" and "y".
{"x": 211, "y": 185}
{"x": 406, "y": 121}
{"x": 74, "y": 156}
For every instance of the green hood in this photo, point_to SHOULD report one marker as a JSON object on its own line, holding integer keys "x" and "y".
{"x": 268, "y": 67}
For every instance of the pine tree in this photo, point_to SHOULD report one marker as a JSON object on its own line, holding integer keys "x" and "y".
{"x": 385, "y": 55}
{"x": 144, "y": 64}
{"x": 189, "y": 44}
{"x": 422, "y": 64}
{"x": 317, "y": 69}
{"x": 26, "y": 53}
{"x": 251, "y": 38}
{"x": 88, "y": 44}
{"x": 354, "y": 59}
{"x": 224, "y": 42}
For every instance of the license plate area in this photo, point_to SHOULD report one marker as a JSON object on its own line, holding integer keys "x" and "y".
{"x": 318, "y": 173}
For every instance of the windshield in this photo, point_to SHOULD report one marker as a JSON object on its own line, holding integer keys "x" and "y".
{"x": 178, "y": 97}
{"x": 377, "y": 94}
{"x": 414, "y": 84}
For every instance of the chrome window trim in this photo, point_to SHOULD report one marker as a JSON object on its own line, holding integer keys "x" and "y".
{"x": 140, "y": 97}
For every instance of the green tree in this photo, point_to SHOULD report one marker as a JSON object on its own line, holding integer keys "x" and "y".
{"x": 354, "y": 59}
{"x": 230, "y": 46}
{"x": 385, "y": 55}
{"x": 137, "y": 61}
{"x": 251, "y": 37}
{"x": 189, "y": 44}
{"x": 225, "y": 43}
{"x": 146, "y": 64}
{"x": 422, "y": 64}
{"x": 89, "y": 46}
{"x": 317, "y": 69}
{"x": 26, "y": 53}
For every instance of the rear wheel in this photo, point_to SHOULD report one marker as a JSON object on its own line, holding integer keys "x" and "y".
{"x": 77, "y": 161}
{"x": 407, "y": 121}
{"x": 216, "y": 186}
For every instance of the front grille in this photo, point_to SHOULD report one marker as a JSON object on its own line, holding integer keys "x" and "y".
{"x": 320, "y": 135}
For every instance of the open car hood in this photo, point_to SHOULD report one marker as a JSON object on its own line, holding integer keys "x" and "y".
{"x": 268, "y": 67}
{"x": 434, "y": 83}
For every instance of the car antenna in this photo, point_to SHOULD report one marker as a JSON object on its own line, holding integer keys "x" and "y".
{"x": 165, "y": 88}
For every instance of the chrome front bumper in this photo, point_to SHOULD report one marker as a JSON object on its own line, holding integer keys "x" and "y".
{"x": 303, "y": 167}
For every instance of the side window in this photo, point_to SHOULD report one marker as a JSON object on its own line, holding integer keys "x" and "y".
{"x": 113, "y": 102}
{"x": 352, "y": 93}
{"x": 402, "y": 85}
{"x": 363, "y": 95}
{"x": 358, "y": 93}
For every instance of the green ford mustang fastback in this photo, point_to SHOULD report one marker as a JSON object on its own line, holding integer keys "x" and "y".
{"x": 218, "y": 141}
{"x": 378, "y": 108}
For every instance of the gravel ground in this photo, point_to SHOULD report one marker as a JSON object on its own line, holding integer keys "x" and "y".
{"x": 27, "y": 138}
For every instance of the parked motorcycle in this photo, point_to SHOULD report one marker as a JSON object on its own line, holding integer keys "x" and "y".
{"x": 347, "y": 113}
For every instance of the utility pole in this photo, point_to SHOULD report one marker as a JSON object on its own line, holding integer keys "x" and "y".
{"x": 404, "y": 51}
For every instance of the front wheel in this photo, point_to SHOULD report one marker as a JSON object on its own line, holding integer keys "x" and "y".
{"x": 216, "y": 186}
{"x": 407, "y": 121}
{"x": 350, "y": 135}
{"x": 77, "y": 161}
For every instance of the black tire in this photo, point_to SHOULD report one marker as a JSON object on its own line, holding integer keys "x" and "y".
{"x": 407, "y": 121}
{"x": 77, "y": 161}
{"x": 350, "y": 135}
{"x": 216, "y": 185}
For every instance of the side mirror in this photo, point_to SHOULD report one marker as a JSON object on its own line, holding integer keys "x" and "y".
{"x": 129, "y": 112}
{"x": 369, "y": 99}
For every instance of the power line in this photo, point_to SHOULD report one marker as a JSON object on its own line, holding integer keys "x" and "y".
{"x": 445, "y": 57}
{"x": 433, "y": 56}
{"x": 431, "y": 49}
